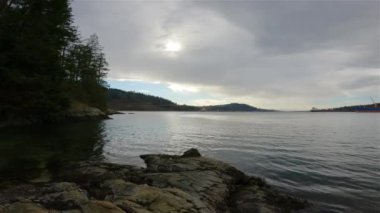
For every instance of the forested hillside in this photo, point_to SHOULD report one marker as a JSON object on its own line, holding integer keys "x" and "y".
{"x": 233, "y": 107}
{"x": 375, "y": 107}
{"x": 44, "y": 63}
{"x": 122, "y": 100}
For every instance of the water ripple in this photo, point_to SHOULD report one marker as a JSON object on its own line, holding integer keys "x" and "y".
{"x": 331, "y": 159}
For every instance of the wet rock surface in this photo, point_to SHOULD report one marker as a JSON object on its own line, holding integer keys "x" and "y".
{"x": 170, "y": 183}
{"x": 81, "y": 111}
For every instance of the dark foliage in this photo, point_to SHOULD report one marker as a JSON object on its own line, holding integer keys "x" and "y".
{"x": 37, "y": 41}
{"x": 122, "y": 100}
{"x": 85, "y": 67}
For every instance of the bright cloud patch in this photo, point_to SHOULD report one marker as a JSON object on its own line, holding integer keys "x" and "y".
{"x": 182, "y": 88}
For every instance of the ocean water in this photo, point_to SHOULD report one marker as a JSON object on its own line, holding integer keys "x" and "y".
{"x": 331, "y": 159}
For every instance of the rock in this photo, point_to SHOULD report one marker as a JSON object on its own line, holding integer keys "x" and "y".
{"x": 62, "y": 196}
{"x": 81, "y": 111}
{"x": 137, "y": 197}
{"x": 191, "y": 153}
{"x": 170, "y": 183}
{"x": 98, "y": 206}
{"x": 214, "y": 182}
{"x": 253, "y": 198}
{"x": 44, "y": 177}
{"x": 206, "y": 187}
{"x": 113, "y": 112}
{"x": 208, "y": 180}
{"x": 171, "y": 163}
{"x": 19, "y": 207}
{"x": 17, "y": 193}
{"x": 132, "y": 207}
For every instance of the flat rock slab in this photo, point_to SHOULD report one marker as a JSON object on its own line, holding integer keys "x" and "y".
{"x": 170, "y": 183}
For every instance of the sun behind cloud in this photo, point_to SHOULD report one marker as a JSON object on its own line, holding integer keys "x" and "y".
{"x": 172, "y": 46}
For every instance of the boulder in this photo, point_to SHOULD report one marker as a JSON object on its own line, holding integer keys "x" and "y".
{"x": 170, "y": 183}
{"x": 81, "y": 111}
{"x": 191, "y": 153}
{"x": 62, "y": 196}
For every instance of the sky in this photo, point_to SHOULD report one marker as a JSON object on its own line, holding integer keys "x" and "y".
{"x": 285, "y": 54}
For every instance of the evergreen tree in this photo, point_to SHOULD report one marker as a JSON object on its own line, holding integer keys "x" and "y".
{"x": 32, "y": 37}
{"x": 43, "y": 63}
{"x": 86, "y": 66}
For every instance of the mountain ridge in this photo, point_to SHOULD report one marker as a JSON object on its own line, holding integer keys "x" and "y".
{"x": 135, "y": 101}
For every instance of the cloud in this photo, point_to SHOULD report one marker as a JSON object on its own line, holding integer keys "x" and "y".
{"x": 182, "y": 88}
{"x": 260, "y": 52}
{"x": 208, "y": 102}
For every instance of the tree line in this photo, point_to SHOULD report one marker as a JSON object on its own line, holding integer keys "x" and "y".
{"x": 44, "y": 63}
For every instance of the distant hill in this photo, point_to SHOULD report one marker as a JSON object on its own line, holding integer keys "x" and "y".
{"x": 356, "y": 108}
{"x": 123, "y": 100}
{"x": 232, "y": 107}
{"x": 135, "y": 101}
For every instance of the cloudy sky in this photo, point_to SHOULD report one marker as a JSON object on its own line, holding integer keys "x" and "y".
{"x": 270, "y": 54}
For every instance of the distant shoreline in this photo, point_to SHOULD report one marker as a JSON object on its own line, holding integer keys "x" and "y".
{"x": 127, "y": 100}
{"x": 369, "y": 108}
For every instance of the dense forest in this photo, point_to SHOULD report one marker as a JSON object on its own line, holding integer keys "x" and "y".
{"x": 122, "y": 100}
{"x": 44, "y": 63}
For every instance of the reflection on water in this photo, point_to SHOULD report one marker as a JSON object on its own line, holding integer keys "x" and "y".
{"x": 332, "y": 159}
{"x": 26, "y": 152}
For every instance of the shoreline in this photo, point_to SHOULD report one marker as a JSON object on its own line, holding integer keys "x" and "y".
{"x": 169, "y": 183}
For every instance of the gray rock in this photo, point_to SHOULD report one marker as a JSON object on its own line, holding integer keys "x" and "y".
{"x": 170, "y": 183}
{"x": 99, "y": 206}
{"x": 79, "y": 111}
{"x": 130, "y": 196}
{"x": 20, "y": 207}
{"x": 191, "y": 153}
{"x": 62, "y": 196}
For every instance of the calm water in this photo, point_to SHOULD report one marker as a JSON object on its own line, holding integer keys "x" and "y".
{"x": 332, "y": 159}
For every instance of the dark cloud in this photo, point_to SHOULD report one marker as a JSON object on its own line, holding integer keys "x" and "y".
{"x": 292, "y": 26}
{"x": 251, "y": 49}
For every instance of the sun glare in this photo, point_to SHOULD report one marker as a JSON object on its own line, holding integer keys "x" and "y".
{"x": 172, "y": 46}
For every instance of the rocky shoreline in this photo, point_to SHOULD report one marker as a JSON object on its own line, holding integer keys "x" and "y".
{"x": 80, "y": 112}
{"x": 169, "y": 183}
